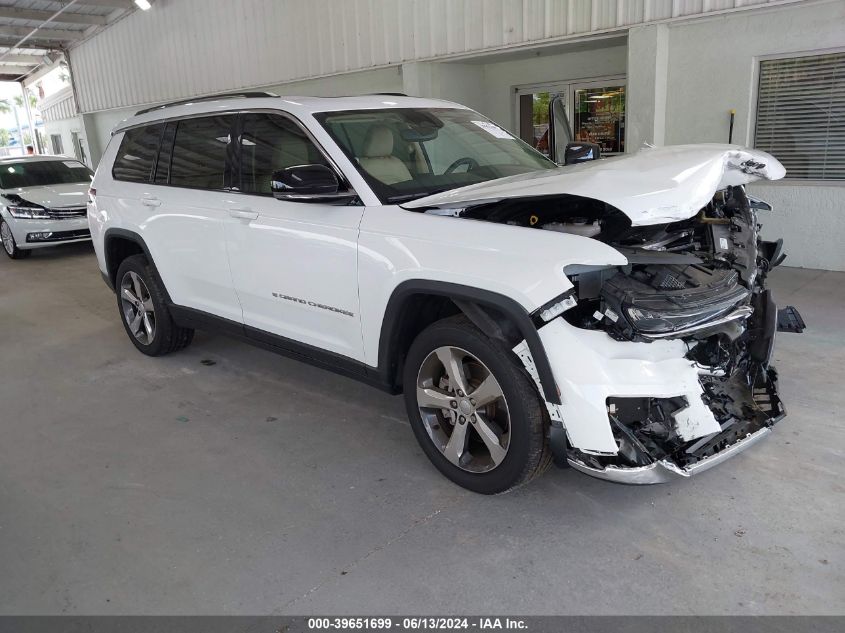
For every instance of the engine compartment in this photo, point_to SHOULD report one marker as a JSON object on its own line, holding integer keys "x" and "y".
{"x": 693, "y": 278}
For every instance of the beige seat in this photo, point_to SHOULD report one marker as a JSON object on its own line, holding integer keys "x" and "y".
{"x": 378, "y": 159}
{"x": 288, "y": 150}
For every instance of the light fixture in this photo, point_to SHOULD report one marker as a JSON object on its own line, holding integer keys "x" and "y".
{"x": 144, "y": 5}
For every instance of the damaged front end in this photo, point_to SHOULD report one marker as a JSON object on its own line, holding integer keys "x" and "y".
{"x": 700, "y": 283}
{"x": 662, "y": 363}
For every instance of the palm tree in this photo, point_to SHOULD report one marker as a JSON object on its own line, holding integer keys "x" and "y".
{"x": 5, "y": 108}
{"x": 32, "y": 101}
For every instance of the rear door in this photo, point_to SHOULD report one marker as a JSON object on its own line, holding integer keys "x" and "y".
{"x": 294, "y": 264}
{"x": 184, "y": 227}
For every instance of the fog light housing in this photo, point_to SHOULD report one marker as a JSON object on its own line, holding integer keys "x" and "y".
{"x": 41, "y": 236}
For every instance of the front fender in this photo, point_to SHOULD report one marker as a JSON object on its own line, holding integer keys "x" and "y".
{"x": 523, "y": 264}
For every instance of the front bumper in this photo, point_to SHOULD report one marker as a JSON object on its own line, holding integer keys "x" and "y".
{"x": 666, "y": 470}
{"x": 708, "y": 418}
{"x": 60, "y": 232}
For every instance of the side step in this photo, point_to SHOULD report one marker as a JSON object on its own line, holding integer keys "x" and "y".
{"x": 789, "y": 320}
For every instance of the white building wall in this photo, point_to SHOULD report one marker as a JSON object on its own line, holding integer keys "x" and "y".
{"x": 61, "y": 118}
{"x": 192, "y": 47}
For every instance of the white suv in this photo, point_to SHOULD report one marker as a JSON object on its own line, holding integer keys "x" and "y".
{"x": 611, "y": 314}
{"x": 42, "y": 203}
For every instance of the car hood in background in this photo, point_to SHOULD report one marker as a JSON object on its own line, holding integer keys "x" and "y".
{"x": 655, "y": 185}
{"x": 53, "y": 196}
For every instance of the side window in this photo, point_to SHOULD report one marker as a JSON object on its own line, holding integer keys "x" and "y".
{"x": 199, "y": 152}
{"x": 162, "y": 175}
{"x": 270, "y": 142}
{"x": 136, "y": 153}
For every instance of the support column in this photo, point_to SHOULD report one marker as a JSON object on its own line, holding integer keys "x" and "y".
{"x": 462, "y": 83}
{"x": 421, "y": 79}
{"x": 648, "y": 76}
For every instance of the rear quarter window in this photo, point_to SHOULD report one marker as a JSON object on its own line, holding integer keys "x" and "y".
{"x": 136, "y": 154}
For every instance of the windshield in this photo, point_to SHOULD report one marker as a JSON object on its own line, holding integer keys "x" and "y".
{"x": 37, "y": 173}
{"x": 408, "y": 153}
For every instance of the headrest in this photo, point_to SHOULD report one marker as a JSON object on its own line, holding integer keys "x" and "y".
{"x": 379, "y": 142}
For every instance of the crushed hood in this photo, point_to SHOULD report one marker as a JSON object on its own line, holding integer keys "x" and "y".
{"x": 655, "y": 185}
{"x": 53, "y": 196}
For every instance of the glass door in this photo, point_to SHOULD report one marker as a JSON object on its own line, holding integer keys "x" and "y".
{"x": 533, "y": 114}
{"x": 595, "y": 109}
{"x": 598, "y": 114}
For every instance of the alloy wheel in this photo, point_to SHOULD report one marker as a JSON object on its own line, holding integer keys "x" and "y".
{"x": 8, "y": 240}
{"x": 463, "y": 409}
{"x": 138, "y": 309}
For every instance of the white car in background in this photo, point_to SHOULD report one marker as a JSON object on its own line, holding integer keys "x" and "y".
{"x": 613, "y": 314}
{"x": 42, "y": 203}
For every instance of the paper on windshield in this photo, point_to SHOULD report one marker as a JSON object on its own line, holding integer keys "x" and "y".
{"x": 493, "y": 129}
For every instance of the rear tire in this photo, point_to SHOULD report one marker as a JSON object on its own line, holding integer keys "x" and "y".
{"x": 143, "y": 310}
{"x": 503, "y": 441}
{"x": 9, "y": 246}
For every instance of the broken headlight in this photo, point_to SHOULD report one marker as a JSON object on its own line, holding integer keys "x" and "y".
{"x": 668, "y": 319}
{"x": 661, "y": 301}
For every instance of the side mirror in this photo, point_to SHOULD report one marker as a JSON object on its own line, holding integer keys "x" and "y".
{"x": 308, "y": 183}
{"x": 580, "y": 152}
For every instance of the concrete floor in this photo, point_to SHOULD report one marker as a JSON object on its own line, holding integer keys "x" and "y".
{"x": 258, "y": 485}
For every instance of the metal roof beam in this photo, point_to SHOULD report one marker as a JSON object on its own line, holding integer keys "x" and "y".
{"x": 40, "y": 34}
{"x": 117, "y": 4}
{"x": 31, "y": 44}
{"x": 10, "y": 69}
{"x": 66, "y": 17}
{"x": 32, "y": 60}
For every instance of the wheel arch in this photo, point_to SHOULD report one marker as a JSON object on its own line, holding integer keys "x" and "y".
{"x": 495, "y": 314}
{"x": 118, "y": 244}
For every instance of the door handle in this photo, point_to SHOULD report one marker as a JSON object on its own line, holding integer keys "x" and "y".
{"x": 243, "y": 213}
{"x": 151, "y": 202}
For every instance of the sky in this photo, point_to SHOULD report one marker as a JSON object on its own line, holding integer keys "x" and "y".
{"x": 51, "y": 83}
{"x": 8, "y": 91}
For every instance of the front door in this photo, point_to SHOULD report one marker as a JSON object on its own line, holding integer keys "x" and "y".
{"x": 294, "y": 264}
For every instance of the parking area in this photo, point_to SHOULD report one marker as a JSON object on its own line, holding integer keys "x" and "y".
{"x": 226, "y": 479}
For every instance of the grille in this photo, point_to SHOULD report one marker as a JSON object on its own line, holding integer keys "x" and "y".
{"x": 66, "y": 214}
{"x": 669, "y": 282}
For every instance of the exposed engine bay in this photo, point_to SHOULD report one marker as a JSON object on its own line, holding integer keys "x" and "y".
{"x": 700, "y": 281}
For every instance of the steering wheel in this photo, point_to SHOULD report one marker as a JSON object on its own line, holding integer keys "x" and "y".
{"x": 470, "y": 162}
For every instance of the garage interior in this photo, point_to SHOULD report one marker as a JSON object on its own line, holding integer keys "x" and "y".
{"x": 227, "y": 480}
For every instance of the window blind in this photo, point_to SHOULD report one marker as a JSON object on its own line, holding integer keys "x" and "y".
{"x": 801, "y": 115}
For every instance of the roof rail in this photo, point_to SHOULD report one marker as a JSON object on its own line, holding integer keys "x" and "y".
{"x": 221, "y": 95}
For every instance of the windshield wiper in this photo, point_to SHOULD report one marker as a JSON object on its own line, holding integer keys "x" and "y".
{"x": 413, "y": 196}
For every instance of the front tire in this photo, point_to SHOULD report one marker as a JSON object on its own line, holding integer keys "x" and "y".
{"x": 143, "y": 310}
{"x": 9, "y": 246}
{"x": 473, "y": 410}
